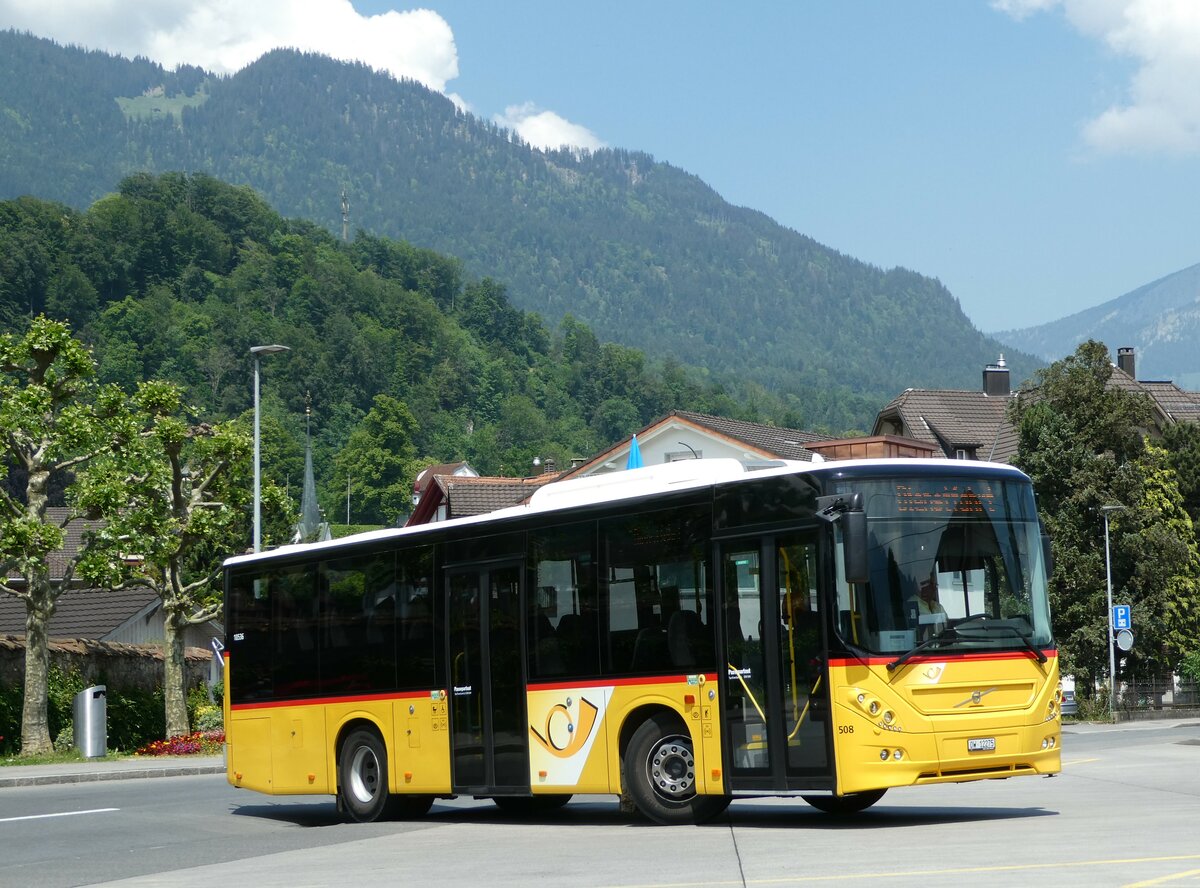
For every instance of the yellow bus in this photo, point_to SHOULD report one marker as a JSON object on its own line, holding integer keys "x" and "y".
{"x": 682, "y": 636}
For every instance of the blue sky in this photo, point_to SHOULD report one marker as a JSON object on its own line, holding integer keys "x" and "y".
{"x": 1038, "y": 157}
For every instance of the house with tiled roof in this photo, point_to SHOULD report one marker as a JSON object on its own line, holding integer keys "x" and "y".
{"x": 130, "y": 616}
{"x": 1175, "y": 403}
{"x": 958, "y": 424}
{"x": 429, "y": 491}
{"x": 460, "y": 496}
{"x": 682, "y": 434}
{"x": 443, "y": 492}
{"x": 974, "y": 424}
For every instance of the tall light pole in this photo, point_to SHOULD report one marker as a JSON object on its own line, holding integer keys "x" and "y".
{"x": 258, "y": 351}
{"x": 1112, "y": 653}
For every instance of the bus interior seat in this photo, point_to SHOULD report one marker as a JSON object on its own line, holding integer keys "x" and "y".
{"x": 686, "y": 639}
{"x": 650, "y": 650}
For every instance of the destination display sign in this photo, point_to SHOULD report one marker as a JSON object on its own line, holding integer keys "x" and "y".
{"x": 950, "y": 498}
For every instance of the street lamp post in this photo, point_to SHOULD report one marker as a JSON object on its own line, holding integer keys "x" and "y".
{"x": 258, "y": 351}
{"x": 1112, "y": 653}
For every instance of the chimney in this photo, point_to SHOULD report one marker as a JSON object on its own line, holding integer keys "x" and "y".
{"x": 1125, "y": 361}
{"x": 995, "y": 379}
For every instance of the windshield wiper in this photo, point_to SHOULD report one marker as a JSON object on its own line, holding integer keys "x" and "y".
{"x": 947, "y": 634}
{"x": 1037, "y": 652}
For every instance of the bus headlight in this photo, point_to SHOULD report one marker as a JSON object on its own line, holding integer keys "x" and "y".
{"x": 874, "y": 707}
{"x": 883, "y": 755}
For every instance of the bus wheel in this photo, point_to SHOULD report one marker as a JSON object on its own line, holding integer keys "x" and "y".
{"x": 362, "y": 776}
{"x": 531, "y": 806}
{"x": 846, "y": 804}
{"x": 660, "y": 774}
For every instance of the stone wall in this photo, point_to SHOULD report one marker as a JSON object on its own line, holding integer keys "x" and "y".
{"x": 114, "y": 665}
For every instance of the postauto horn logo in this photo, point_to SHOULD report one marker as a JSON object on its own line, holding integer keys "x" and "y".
{"x": 563, "y": 736}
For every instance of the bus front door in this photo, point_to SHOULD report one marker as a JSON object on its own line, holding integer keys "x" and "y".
{"x": 489, "y": 750}
{"x": 776, "y": 724}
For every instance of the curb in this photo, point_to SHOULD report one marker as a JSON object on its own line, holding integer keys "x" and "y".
{"x": 101, "y": 775}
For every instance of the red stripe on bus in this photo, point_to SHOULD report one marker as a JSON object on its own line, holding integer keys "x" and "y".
{"x": 325, "y": 701}
{"x": 615, "y": 682}
{"x": 934, "y": 658}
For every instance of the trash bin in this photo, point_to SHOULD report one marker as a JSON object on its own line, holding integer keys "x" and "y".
{"x": 90, "y": 711}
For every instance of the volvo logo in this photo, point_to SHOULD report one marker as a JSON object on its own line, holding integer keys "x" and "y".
{"x": 975, "y": 699}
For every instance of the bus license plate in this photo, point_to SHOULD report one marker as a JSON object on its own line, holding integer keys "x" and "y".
{"x": 981, "y": 744}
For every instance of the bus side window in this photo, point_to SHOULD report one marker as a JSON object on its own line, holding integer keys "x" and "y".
{"x": 359, "y": 615}
{"x": 250, "y": 646}
{"x": 295, "y": 663}
{"x": 416, "y": 659}
{"x": 561, "y": 619}
{"x": 658, "y": 592}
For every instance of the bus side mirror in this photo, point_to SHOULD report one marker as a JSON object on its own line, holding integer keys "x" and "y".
{"x": 854, "y": 546}
{"x": 848, "y": 509}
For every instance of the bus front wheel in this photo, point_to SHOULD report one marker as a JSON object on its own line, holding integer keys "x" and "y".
{"x": 660, "y": 774}
{"x": 843, "y": 805}
{"x": 362, "y": 776}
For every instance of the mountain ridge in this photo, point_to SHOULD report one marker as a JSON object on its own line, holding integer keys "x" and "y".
{"x": 1160, "y": 320}
{"x": 645, "y": 253}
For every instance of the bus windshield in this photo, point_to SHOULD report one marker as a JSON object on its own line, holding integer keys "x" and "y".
{"x": 956, "y": 565}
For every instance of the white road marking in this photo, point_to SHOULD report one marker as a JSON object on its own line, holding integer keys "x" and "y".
{"x": 60, "y": 814}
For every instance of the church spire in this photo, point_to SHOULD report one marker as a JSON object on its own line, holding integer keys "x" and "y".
{"x": 311, "y": 528}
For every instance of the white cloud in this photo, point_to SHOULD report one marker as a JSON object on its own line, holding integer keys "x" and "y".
{"x": 226, "y": 35}
{"x": 545, "y": 129}
{"x": 1020, "y": 9}
{"x": 1161, "y": 111}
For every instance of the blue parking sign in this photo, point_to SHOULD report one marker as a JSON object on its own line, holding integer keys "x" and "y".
{"x": 1122, "y": 616}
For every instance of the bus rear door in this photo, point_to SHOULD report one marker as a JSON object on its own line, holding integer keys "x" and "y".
{"x": 489, "y": 747}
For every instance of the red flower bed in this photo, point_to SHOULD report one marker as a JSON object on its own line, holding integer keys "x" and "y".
{"x": 197, "y": 743}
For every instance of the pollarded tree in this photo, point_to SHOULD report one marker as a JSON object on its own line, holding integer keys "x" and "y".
{"x": 54, "y": 420}
{"x": 178, "y": 500}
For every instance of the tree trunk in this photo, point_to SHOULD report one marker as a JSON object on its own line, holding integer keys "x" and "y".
{"x": 39, "y": 608}
{"x": 174, "y": 673}
{"x": 35, "y": 726}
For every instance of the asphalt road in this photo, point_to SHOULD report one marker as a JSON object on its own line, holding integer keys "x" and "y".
{"x": 1126, "y": 811}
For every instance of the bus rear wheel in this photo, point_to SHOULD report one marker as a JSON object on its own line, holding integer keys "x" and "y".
{"x": 845, "y": 804}
{"x": 362, "y": 776}
{"x": 660, "y": 774}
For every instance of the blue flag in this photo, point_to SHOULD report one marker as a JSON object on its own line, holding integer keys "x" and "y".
{"x": 635, "y": 455}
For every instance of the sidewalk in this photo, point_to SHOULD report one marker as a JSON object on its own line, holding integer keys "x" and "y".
{"x": 117, "y": 769}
